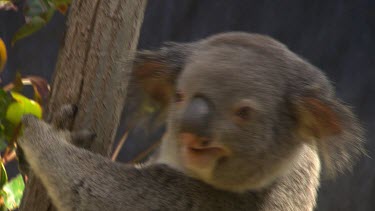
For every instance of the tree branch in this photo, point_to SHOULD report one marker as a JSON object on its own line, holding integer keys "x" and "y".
{"x": 90, "y": 75}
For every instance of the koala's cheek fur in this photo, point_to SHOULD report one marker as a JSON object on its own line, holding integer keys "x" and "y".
{"x": 253, "y": 172}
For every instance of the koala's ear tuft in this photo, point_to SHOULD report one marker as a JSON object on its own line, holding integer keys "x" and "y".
{"x": 156, "y": 72}
{"x": 152, "y": 82}
{"x": 155, "y": 79}
{"x": 316, "y": 119}
{"x": 332, "y": 127}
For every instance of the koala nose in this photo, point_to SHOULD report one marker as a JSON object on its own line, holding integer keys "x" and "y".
{"x": 197, "y": 117}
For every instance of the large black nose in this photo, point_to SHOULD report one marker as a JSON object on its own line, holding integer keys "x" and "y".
{"x": 197, "y": 117}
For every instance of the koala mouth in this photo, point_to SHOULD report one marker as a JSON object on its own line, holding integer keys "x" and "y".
{"x": 200, "y": 152}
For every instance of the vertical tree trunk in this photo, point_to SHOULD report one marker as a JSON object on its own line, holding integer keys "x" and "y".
{"x": 91, "y": 73}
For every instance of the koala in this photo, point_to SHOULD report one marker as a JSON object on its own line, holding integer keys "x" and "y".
{"x": 249, "y": 126}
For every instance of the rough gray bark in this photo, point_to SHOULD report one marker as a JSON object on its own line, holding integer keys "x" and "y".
{"x": 91, "y": 73}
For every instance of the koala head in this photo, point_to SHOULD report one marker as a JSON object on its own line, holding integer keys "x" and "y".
{"x": 240, "y": 107}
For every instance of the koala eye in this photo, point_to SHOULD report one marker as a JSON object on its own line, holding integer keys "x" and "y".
{"x": 179, "y": 97}
{"x": 244, "y": 113}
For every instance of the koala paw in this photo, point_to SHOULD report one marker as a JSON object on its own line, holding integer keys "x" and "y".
{"x": 39, "y": 136}
{"x": 62, "y": 120}
{"x": 35, "y": 131}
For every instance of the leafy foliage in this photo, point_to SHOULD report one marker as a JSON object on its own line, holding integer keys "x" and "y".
{"x": 5, "y": 100}
{"x": 37, "y": 14}
{"x": 13, "y": 105}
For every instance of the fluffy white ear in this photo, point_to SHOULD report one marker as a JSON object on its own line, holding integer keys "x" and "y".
{"x": 333, "y": 128}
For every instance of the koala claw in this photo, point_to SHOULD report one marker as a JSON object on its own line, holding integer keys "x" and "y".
{"x": 38, "y": 135}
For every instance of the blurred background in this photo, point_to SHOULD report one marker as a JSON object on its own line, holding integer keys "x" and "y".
{"x": 337, "y": 36}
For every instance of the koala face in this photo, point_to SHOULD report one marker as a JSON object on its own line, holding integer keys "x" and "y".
{"x": 229, "y": 116}
{"x": 240, "y": 108}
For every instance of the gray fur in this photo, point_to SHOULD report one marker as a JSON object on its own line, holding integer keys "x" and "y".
{"x": 273, "y": 163}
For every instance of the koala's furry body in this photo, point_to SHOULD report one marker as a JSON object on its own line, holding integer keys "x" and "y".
{"x": 248, "y": 124}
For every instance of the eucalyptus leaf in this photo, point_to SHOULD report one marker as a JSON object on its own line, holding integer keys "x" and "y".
{"x": 3, "y": 138}
{"x": 3, "y": 175}
{"x": 57, "y": 2}
{"x": 5, "y": 100}
{"x": 47, "y": 16}
{"x": 35, "y": 7}
{"x": 32, "y": 26}
{"x": 9, "y": 130}
{"x": 13, "y": 191}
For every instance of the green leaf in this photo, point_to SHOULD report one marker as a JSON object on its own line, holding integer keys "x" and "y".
{"x": 34, "y": 25}
{"x": 35, "y": 7}
{"x": 3, "y": 144}
{"x": 12, "y": 192}
{"x": 9, "y": 130}
{"x": 20, "y": 107}
{"x": 57, "y": 2}
{"x": 47, "y": 16}
{"x": 42, "y": 8}
{"x": 3, "y": 138}
{"x": 5, "y": 100}
{"x": 3, "y": 175}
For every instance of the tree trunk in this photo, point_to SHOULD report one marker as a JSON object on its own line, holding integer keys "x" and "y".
{"x": 91, "y": 73}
